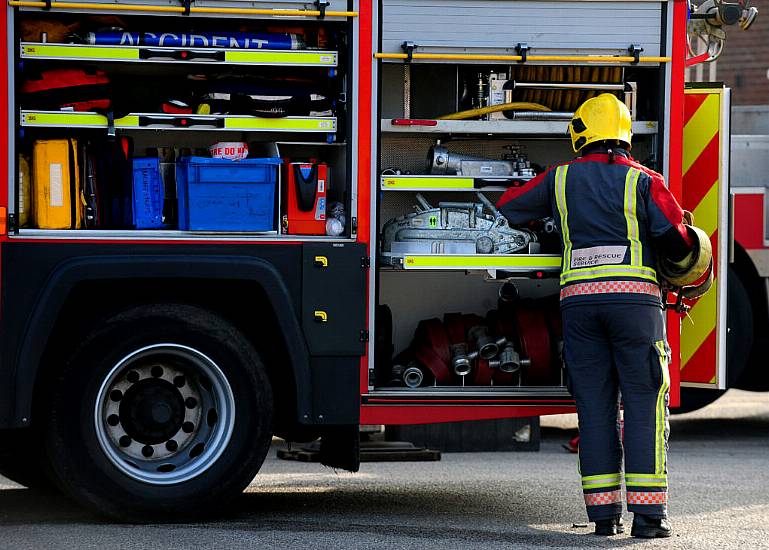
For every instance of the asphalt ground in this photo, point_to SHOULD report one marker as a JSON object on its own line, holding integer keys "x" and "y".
{"x": 719, "y": 476}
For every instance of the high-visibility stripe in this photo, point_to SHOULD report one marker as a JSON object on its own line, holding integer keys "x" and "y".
{"x": 646, "y": 476}
{"x": 417, "y": 183}
{"x": 646, "y": 480}
{"x": 700, "y": 129}
{"x": 560, "y": 200}
{"x": 703, "y": 149}
{"x": 647, "y": 497}
{"x": 631, "y": 216}
{"x": 603, "y": 498}
{"x": 601, "y": 481}
{"x": 701, "y": 325}
{"x": 660, "y": 411}
{"x": 706, "y": 213}
{"x": 544, "y": 262}
{"x": 598, "y": 272}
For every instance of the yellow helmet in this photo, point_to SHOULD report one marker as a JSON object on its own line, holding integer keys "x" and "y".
{"x": 599, "y": 118}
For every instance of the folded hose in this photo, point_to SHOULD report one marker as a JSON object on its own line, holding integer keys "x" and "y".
{"x": 515, "y": 106}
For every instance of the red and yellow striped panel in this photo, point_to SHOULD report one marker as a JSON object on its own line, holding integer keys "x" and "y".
{"x": 701, "y": 168}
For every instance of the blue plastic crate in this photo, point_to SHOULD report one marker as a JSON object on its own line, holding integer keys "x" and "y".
{"x": 147, "y": 193}
{"x": 226, "y": 195}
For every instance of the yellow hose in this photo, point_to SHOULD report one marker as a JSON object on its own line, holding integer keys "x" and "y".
{"x": 516, "y": 106}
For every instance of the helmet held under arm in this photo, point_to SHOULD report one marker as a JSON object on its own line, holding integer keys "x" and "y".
{"x": 694, "y": 275}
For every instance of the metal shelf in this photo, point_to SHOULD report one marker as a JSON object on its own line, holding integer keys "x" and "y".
{"x": 446, "y": 183}
{"x": 549, "y": 263}
{"x": 208, "y": 56}
{"x": 527, "y": 127}
{"x": 156, "y": 121}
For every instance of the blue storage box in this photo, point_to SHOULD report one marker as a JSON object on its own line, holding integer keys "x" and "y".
{"x": 147, "y": 193}
{"x": 226, "y": 195}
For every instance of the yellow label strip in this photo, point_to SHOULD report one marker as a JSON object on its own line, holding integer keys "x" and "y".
{"x": 417, "y": 183}
{"x": 94, "y": 120}
{"x": 297, "y": 124}
{"x": 82, "y": 120}
{"x": 544, "y": 262}
{"x": 127, "y": 53}
{"x": 59, "y": 51}
{"x": 273, "y": 57}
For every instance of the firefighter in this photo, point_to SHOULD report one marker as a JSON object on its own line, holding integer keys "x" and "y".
{"x": 617, "y": 219}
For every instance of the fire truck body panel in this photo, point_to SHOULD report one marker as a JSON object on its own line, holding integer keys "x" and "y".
{"x": 318, "y": 324}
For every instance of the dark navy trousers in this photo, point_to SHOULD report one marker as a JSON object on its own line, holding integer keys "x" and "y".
{"x": 614, "y": 350}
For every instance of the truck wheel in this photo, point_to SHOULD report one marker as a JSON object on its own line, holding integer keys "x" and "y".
{"x": 162, "y": 414}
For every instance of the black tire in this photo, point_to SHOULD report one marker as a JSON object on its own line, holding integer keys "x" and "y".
{"x": 79, "y": 451}
{"x": 739, "y": 340}
{"x": 22, "y": 459}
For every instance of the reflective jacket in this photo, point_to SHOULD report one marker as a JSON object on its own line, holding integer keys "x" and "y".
{"x": 612, "y": 214}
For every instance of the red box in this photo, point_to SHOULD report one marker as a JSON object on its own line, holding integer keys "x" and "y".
{"x": 306, "y": 185}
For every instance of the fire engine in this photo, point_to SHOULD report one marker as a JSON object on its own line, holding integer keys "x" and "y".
{"x": 225, "y": 220}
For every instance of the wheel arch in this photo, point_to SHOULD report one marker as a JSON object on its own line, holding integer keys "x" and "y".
{"x": 114, "y": 282}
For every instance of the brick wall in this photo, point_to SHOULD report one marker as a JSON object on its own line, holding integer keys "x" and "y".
{"x": 744, "y": 65}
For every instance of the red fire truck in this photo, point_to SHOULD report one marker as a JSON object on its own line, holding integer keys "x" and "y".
{"x": 218, "y": 225}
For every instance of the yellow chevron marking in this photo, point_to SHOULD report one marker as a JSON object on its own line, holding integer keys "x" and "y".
{"x": 703, "y": 320}
{"x": 700, "y": 129}
{"x": 706, "y": 212}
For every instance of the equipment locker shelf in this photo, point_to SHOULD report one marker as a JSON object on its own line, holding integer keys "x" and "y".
{"x": 66, "y": 119}
{"x": 147, "y": 54}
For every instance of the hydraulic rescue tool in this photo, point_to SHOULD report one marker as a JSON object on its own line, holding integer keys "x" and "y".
{"x": 440, "y": 161}
{"x": 454, "y": 228}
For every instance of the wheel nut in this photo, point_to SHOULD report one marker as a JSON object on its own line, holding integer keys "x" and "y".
{"x": 113, "y": 420}
{"x": 179, "y": 381}
{"x": 172, "y": 445}
{"x": 191, "y": 402}
{"x": 125, "y": 441}
{"x": 157, "y": 371}
{"x": 132, "y": 377}
{"x": 116, "y": 395}
{"x": 148, "y": 451}
{"x": 188, "y": 427}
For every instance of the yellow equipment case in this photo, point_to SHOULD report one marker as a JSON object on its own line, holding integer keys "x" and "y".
{"x": 56, "y": 185}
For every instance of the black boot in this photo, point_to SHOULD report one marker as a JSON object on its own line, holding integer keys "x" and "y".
{"x": 647, "y": 527}
{"x": 609, "y": 527}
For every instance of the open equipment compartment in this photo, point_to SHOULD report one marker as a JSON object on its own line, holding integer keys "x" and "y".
{"x": 468, "y": 306}
{"x": 168, "y": 88}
